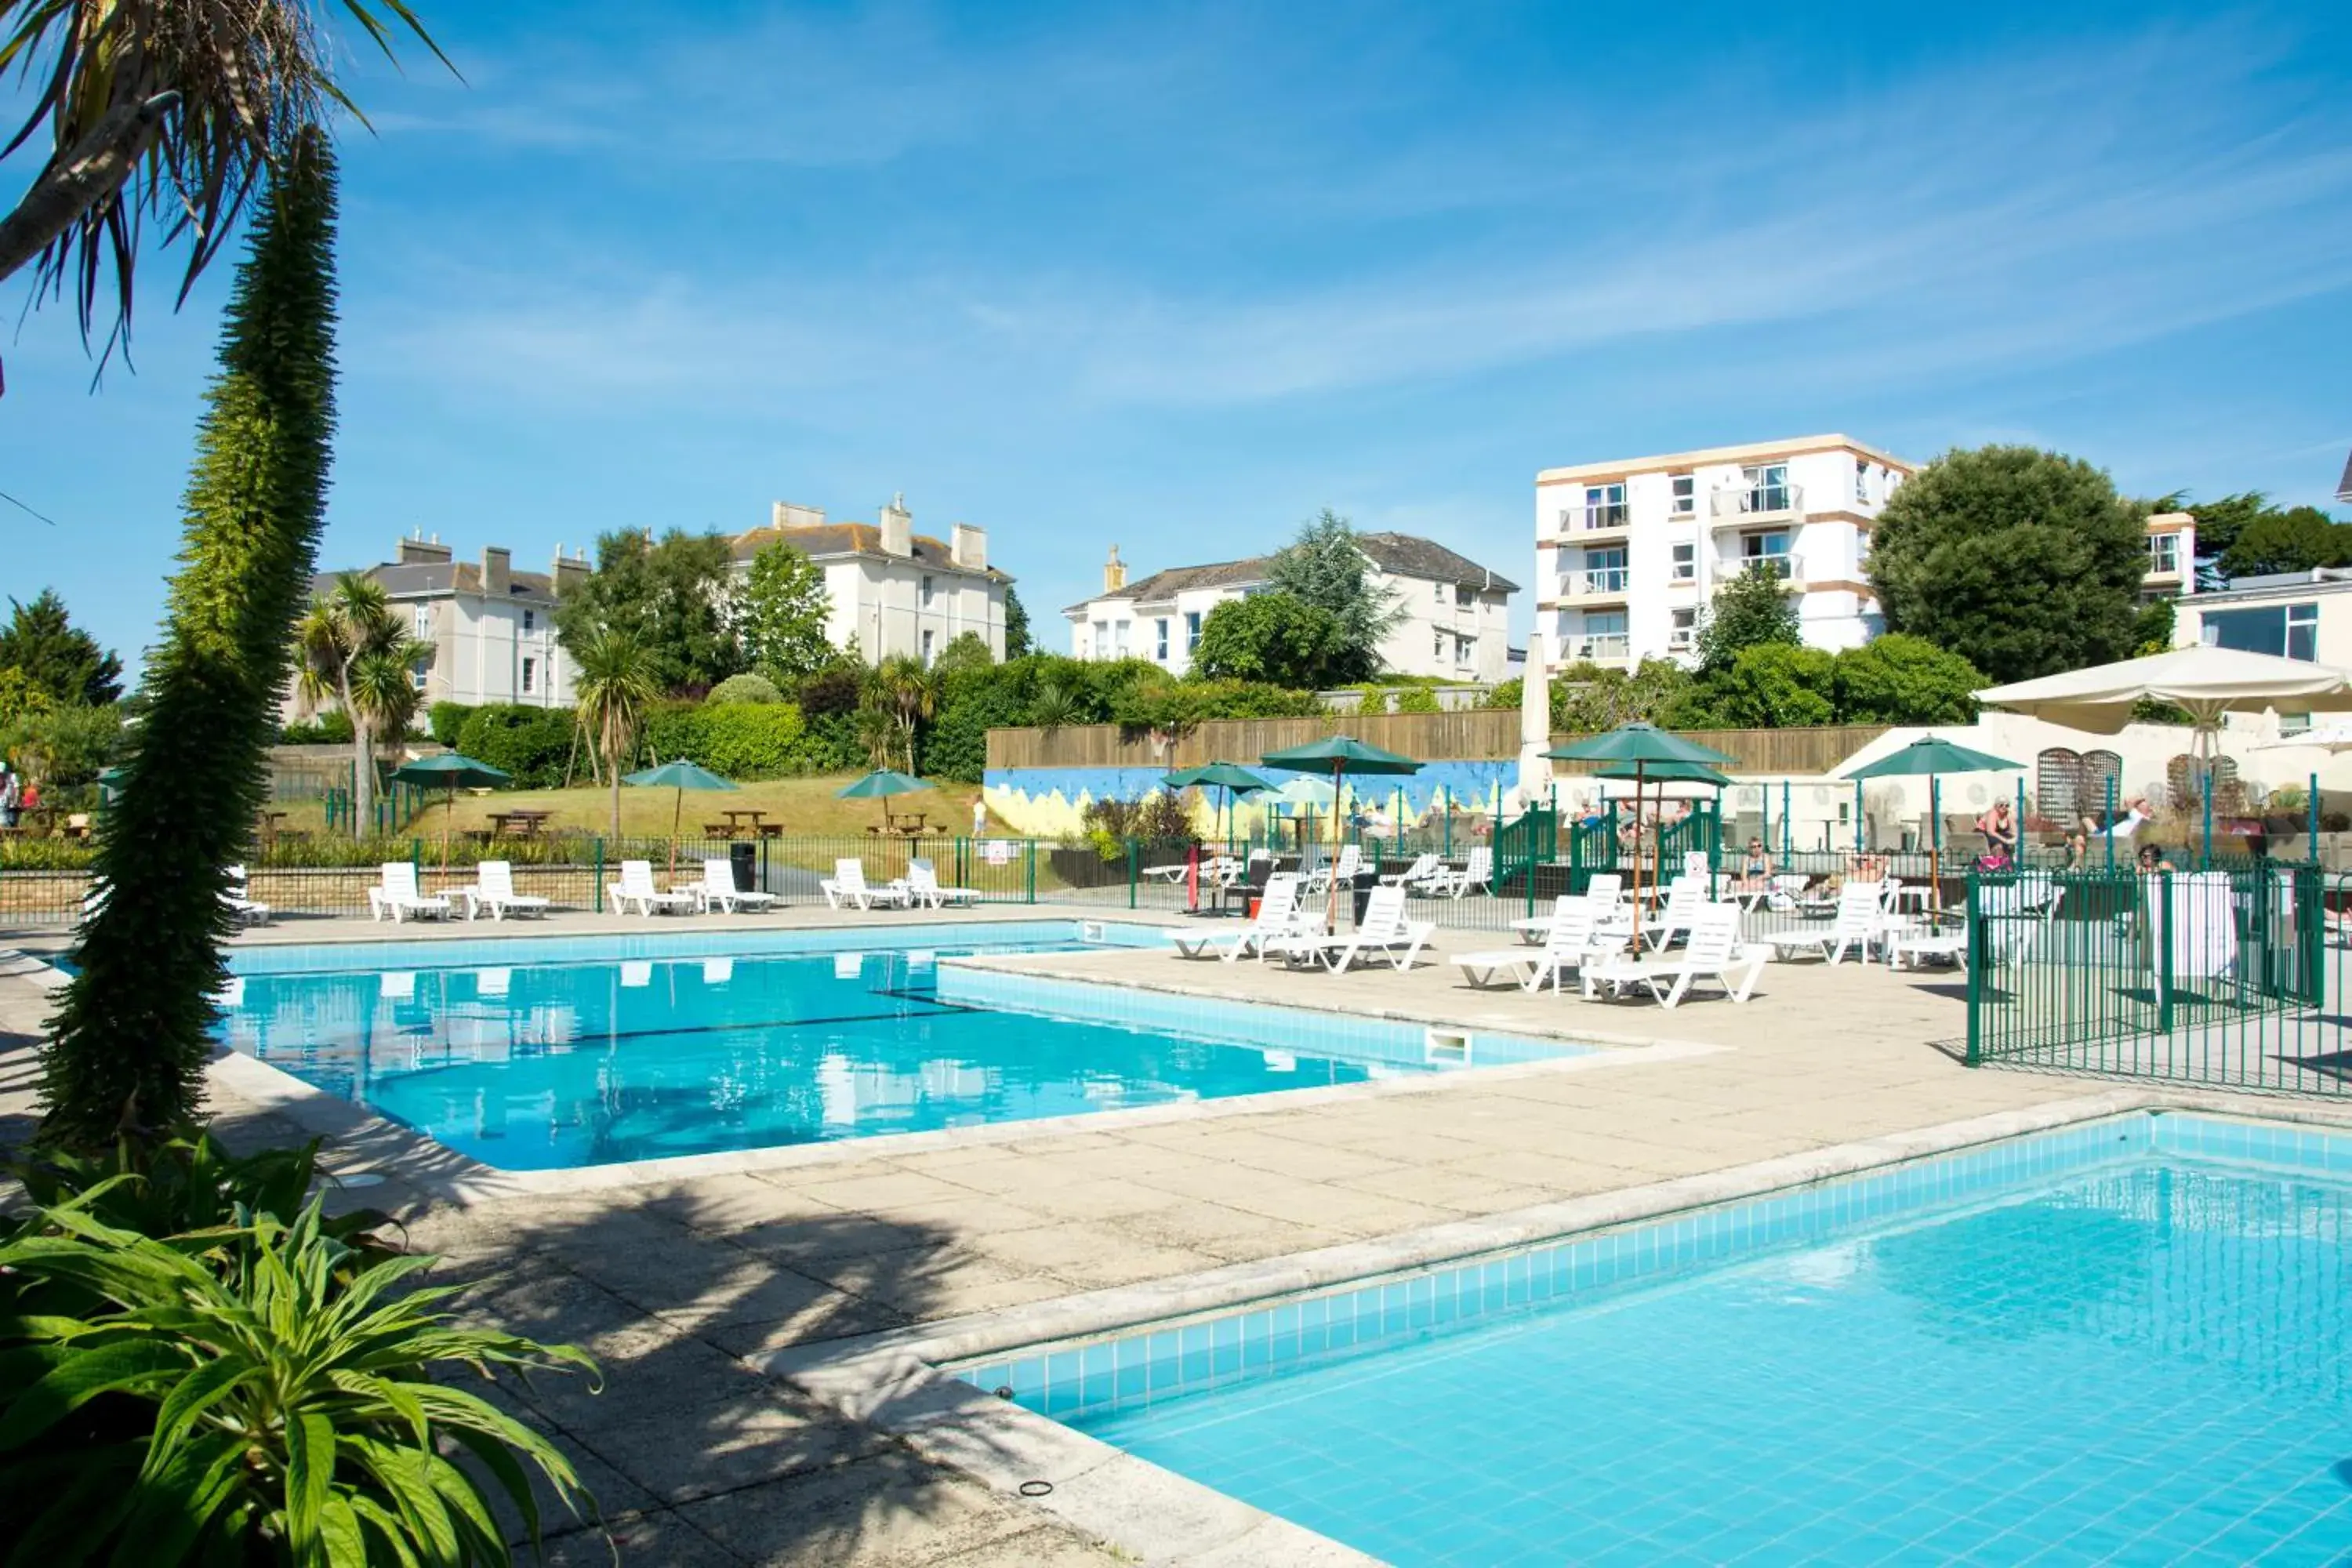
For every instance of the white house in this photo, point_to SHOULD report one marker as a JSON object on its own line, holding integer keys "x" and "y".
{"x": 1629, "y": 551}
{"x": 1453, "y": 626}
{"x": 892, "y": 589}
{"x": 491, "y": 628}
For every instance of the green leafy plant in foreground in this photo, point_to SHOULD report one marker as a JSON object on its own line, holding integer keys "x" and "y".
{"x": 240, "y": 1394}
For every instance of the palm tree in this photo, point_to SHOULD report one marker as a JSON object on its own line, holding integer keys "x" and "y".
{"x": 352, "y": 653}
{"x": 910, "y": 694}
{"x": 166, "y": 108}
{"x": 613, "y": 680}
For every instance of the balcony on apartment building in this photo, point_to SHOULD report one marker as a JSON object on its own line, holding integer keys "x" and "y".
{"x": 1595, "y": 520}
{"x": 1751, "y": 506}
{"x": 1599, "y": 647}
{"x": 1591, "y": 584}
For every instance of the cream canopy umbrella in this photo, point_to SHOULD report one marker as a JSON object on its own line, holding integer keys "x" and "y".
{"x": 2206, "y": 680}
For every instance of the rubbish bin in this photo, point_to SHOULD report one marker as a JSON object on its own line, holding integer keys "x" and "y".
{"x": 1360, "y": 886}
{"x": 743, "y": 861}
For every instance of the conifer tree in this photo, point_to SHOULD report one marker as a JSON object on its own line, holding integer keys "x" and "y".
{"x": 128, "y": 1046}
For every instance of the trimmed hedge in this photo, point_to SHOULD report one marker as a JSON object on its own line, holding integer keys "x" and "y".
{"x": 532, "y": 743}
{"x": 738, "y": 739}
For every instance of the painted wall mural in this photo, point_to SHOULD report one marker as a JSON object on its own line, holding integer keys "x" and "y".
{"x": 1049, "y": 803}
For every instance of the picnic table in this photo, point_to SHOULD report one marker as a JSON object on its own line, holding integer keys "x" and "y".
{"x": 518, "y": 823}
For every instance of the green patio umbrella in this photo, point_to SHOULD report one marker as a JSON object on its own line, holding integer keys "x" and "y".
{"x": 1226, "y": 776}
{"x": 453, "y": 772}
{"x": 1642, "y": 747}
{"x": 1339, "y": 755}
{"x": 1664, "y": 774}
{"x": 680, "y": 775}
{"x": 1931, "y": 755}
{"x": 881, "y": 784}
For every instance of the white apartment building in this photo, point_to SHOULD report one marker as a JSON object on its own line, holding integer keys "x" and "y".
{"x": 1454, "y": 624}
{"x": 892, "y": 589}
{"x": 491, "y": 628}
{"x": 1628, "y": 552}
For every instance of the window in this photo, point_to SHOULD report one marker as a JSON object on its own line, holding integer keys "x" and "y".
{"x": 1102, "y": 639}
{"x": 1463, "y": 649}
{"x": 2164, "y": 554}
{"x": 1862, "y": 480}
{"x": 1683, "y": 630}
{"x": 1767, "y": 488}
{"x": 1119, "y": 640}
{"x": 2291, "y": 630}
{"x": 1683, "y": 566}
{"x": 1437, "y": 593}
{"x": 927, "y": 590}
{"x": 1437, "y": 645}
{"x": 1604, "y": 506}
{"x": 926, "y": 649}
{"x": 1191, "y": 629}
{"x": 1159, "y": 641}
{"x": 1604, "y": 635}
{"x": 1685, "y": 490}
{"x": 1464, "y": 593}
{"x": 416, "y": 673}
{"x": 529, "y": 619}
{"x": 1605, "y": 571}
{"x": 530, "y": 670}
{"x": 424, "y": 621}
{"x": 1769, "y": 551}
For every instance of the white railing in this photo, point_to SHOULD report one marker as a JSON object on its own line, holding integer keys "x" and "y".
{"x": 1606, "y": 579}
{"x": 1758, "y": 500}
{"x": 1606, "y": 514}
{"x": 1783, "y": 566}
{"x": 1608, "y": 646}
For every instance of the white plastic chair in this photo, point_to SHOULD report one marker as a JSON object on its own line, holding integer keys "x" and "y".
{"x": 1568, "y": 944}
{"x": 847, "y": 886}
{"x": 1423, "y": 868}
{"x": 1477, "y": 871}
{"x": 1686, "y": 896}
{"x": 1278, "y": 916}
{"x": 1861, "y": 921}
{"x": 923, "y": 886}
{"x": 1344, "y": 869}
{"x": 1714, "y": 953}
{"x": 718, "y": 888}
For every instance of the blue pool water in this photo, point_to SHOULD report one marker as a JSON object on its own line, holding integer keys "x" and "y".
{"x": 2104, "y": 1347}
{"x": 536, "y": 1053}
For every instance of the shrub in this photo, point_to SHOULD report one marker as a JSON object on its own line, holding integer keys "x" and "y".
{"x": 254, "y": 1393}
{"x": 1159, "y": 818}
{"x": 332, "y": 728}
{"x": 1416, "y": 699}
{"x": 737, "y": 739}
{"x": 1179, "y": 705}
{"x": 444, "y": 721}
{"x": 837, "y": 689}
{"x": 744, "y": 688}
{"x": 533, "y": 744}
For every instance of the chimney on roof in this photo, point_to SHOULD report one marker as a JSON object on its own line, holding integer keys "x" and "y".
{"x": 1114, "y": 572}
{"x": 898, "y": 527}
{"x": 968, "y": 547}
{"x": 569, "y": 572}
{"x": 416, "y": 551}
{"x": 792, "y": 514}
{"x": 498, "y": 570}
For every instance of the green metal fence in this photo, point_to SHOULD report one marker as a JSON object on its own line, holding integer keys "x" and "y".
{"x": 2214, "y": 976}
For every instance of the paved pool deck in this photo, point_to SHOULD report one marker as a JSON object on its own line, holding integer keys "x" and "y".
{"x": 679, "y": 1286}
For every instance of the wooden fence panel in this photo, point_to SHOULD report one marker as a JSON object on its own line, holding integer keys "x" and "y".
{"x": 1472, "y": 735}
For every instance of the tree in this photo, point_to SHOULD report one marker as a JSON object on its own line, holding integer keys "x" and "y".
{"x": 129, "y": 1044}
{"x": 2024, "y": 563}
{"x": 784, "y": 611}
{"x": 1772, "y": 686}
{"x": 1277, "y": 639}
{"x": 967, "y": 651}
{"x": 166, "y": 108}
{"x": 1016, "y": 625}
{"x": 1326, "y": 568}
{"x": 63, "y": 748}
{"x": 1752, "y": 610}
{"x": 57, "y": 656}
{"x": 1589, "y": 698}
{"x": 676, "y": 598}
{"x": 908, "y": 694}
{"x": 613, "y": 685}
{"x": 2294, "y": 539}
{"x": 1902, "y": 680}
{"x": 351, "y": 652}
{"x": 756, "y": 689}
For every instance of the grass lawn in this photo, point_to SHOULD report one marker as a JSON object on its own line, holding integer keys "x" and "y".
{"x": 807, "y": 807}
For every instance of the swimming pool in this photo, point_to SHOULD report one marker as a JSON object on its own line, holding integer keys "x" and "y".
{"x": 554, "y": 1052}
{"x": 2125, "y": 1340}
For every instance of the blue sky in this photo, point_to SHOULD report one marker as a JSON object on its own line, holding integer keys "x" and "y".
{"x": 1176, "y": 277}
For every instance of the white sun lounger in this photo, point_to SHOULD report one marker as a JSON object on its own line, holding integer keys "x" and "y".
{"x": 1568, "y": 945}
{"x": 1861, "y": 921}
{"x": 1478, "y": 872}
{"x": 1351, "y": 862}
{"x": 847, "y": 886}
{"x": 718, "y": 888}
{"x": 636, "y": 886}
{"x": 1423, "y": 868}
{"x": 1686, "y": 896}
{"x": 1714, "y": 953}
{"x": 1602, "y": 895}
{"x": 923, "y": 886}
{"x": 397, "y": 898}
{"x": 1278, "y": 916}
{"x": 494, "y": 890}
{"x": 1382, "y": 933}
{"x": 237, "y": 897}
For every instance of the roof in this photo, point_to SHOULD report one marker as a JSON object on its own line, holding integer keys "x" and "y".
{"x": 837, "y": 539}
{"x": 2274, "y": 585}
{"x": 435, "y": 579}
{"x": 1408, "y": 555}
{"x": 1753, "y": 449}
{"x": 2343, "y": 484}
{"x": 1162, "y": 587}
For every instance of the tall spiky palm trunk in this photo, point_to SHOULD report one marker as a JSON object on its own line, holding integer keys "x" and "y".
{"x": 128, "y": 1045}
